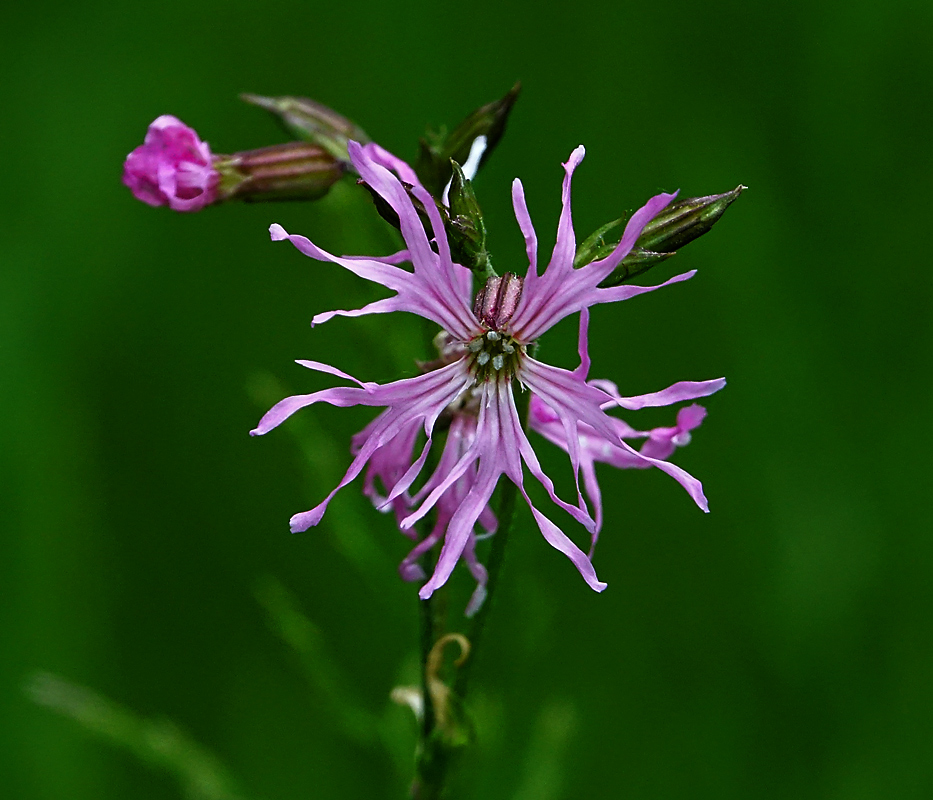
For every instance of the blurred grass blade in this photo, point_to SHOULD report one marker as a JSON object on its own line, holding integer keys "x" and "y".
{"x": 158, "y": 742}
{"x": 546, "y": 752}
{"x": 324, "y": 674}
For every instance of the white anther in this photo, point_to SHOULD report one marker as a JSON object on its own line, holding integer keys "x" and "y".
{"x": 475, "y": 346}
{"x": 493, "y": 336}
{"x": 498, "y": 361}
{"x": 482, "y": 358}
{"x": 508, "y": 348}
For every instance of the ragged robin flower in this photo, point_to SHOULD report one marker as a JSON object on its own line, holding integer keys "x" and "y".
{"x": 485, "y": 360}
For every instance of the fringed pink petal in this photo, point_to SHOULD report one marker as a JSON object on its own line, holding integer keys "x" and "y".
{"x": 384, "y": 306}
{"x": 422, "y": 399}
{"x": 384, "y": 158}
{"x": 512, "y": 432}
{"x": 375, "y": 270}
{"x": 565, "y": 394}
{"x": 555, "y": 537}
{"x": 527, "y": 229}
{"x": 319, "y": 366}
{"x": 461, "y": 525}
{"x": 565, "y": 248}
{"x": 341, "y": 396}
{"x": 596, "y": 498}
{"x": 583, "y": 348}
{"x": 478, "y": 571}
{"x": 538, "y": 291}
{"x": 615, "y": 294}
{"x": 676, "y": 393}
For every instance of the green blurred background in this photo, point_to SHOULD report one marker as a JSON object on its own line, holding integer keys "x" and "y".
{"x": 779, "y": 647}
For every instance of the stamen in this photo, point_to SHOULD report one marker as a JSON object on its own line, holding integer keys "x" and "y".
{"x": 498, "y": 361}
{"x": 508, "y": 348}
{"x": 483, "y": 358}
{"x": 493, "y": 336}
{"x": 475, "y": 346}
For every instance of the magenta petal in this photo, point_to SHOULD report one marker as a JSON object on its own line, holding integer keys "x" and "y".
{"x": 384, "y": 158}
{"x": 559, "y": 541}
{"x": 565, "y": 248}
{"x": 676, "y": 393}
{"x": 583, "y": 345}
{"x": 318, "y": 366}
{"x": 527, "y": 228}
{"x": 427, "y": 292}
{"x": 512, "y": 432}
{"x": 172, "y": 167}
{"x": 342, "y": 396}
{"x": 568, "y": 397}
{"x": 460, "y": 529}
{"x": 615, "y": 294}
{"x": 691, "y": 417}
{"x": 596, "y": 498}
{"x": 384, "y": 306}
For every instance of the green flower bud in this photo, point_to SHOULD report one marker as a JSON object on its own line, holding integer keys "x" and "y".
{"x": 292, "y": 171}
{"x": 466, "y": 230}
{"x": 678, "y": 224}
{"x": 312, "y": 122}
{"x": 438, "y": 148}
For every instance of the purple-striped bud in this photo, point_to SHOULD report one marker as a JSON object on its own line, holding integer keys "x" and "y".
{"x": 290, "y": 171}
{"x": 497, "y": 300}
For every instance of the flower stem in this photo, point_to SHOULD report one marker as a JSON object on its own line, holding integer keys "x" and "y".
{"x": 506, "y": 514}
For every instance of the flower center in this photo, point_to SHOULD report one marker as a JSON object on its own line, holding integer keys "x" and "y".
{"x": 494, "y": 351}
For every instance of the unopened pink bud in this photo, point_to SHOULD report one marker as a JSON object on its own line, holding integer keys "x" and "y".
{"x": 497, "y": 300}
{"x": 172, "y": 167}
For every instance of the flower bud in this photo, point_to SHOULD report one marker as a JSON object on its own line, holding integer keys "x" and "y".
{"x": 292, "y": 171}
{"x": 172, "y": 167}
{"x": 312, "y": 122}
{"x": 678, "y": 224}
{"x": 682, "y": 222}
{"x": 466, "y": 230}
{"x": 438, "y": 148}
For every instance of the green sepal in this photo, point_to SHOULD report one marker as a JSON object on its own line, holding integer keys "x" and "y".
{"x": 466, "y": 230}
{"x": 313, "y": 122}
{"x": 437, "y": 148}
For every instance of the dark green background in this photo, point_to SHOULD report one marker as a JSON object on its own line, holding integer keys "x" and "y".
{"x": 780, "y": 647}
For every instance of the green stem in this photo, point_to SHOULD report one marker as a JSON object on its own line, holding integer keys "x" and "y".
{"x": 505, "y": 516}
{"x": 435, "y": 755}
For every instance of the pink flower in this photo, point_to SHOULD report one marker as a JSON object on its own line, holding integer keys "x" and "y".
{"x": 486, "y": 357}
{"x": 172, "y": 167}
